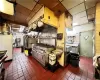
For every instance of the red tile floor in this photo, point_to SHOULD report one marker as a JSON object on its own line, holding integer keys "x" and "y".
{"x": 27, "y": 68}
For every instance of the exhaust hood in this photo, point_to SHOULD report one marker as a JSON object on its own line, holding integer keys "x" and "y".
{"x": 6, "y": 7}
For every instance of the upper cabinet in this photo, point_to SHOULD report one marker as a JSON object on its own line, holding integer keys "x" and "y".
{"x": 45, "y": 15}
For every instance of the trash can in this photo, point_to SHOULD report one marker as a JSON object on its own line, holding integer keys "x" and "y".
{"x": 74, "y": 59}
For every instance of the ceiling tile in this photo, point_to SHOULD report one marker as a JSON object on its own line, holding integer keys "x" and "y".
{"x": 8, "y": 17}
{"x": 22, "y": 10}
{"x": 80, "y": 21}
{"x": 77, "y": 9}
{"x": 59, "y": 9}
{"x": 71, "y": 3}
{"x": 80, "y": 15}
{"x": 92, "y": 16}
{"x": 90, "y": 3}
{"x": 34, "y": 11}
{"x": 27, "y": 3}
{"x": 20, "y": 17}
{"x": 91, "y": 10}
{"x": 49, "y": 3}
{"x": 37, "y": 7}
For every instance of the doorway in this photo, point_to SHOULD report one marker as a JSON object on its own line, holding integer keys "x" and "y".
{"x": 86, "y": 44}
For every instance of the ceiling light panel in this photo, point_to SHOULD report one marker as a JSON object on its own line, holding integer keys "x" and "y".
{"x": 71, "y": 3}
{"x": 77, "y": 9}
{"x": 27, "y": 3}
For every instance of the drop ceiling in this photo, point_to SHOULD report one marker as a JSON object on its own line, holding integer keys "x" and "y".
{"x": 29, "y": 4}
{"x": 82, "y": 11}
{"x": 26, "y": 9}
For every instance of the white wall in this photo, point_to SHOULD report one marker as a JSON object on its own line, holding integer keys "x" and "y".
{"x": 81, "y": 28}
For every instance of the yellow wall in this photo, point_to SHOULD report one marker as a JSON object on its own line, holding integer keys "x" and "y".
{"x": 61, "y": 29}
{"x": 53, "y": 21}
{"x": 97, "y": 30}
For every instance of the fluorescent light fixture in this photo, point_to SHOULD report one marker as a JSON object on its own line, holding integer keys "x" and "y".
{"x": 74, "y": 24}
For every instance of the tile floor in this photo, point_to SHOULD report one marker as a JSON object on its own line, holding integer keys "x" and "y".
{"x": 27, "y": 68}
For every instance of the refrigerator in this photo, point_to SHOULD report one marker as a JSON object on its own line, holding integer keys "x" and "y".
{"x": 6, "y": 43}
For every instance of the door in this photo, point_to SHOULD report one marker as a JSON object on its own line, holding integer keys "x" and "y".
{"x": 86, "y": 44}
